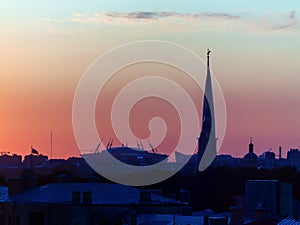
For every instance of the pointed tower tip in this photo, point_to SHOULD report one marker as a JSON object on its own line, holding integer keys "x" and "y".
{"x": 208, "y": 52}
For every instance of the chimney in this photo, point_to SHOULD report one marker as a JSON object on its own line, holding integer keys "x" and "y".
{"x": 280, "y": 152}
{"x": 237, "y": 215}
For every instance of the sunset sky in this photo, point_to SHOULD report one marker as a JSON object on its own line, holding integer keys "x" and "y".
{"x": 45, "y": 47}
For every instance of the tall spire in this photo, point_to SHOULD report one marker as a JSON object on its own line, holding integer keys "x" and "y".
{"x": 207, "y": 139}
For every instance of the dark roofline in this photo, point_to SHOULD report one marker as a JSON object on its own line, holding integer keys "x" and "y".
{"x": 84, "y": 204}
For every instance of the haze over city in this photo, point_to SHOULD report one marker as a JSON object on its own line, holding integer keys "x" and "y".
{"x": 45, "y": 49}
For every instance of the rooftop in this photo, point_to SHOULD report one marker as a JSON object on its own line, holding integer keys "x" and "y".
{"x": 289, "y": 221}
{"x": 102, "y": 193}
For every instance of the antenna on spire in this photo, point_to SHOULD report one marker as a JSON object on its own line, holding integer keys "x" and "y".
{"x": 251, "y": 140}
{"x": 208, "y": 52}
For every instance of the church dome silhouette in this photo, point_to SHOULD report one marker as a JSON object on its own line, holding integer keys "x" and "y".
{"x": 250, "y": 159}
{"x": 251, "y": 156}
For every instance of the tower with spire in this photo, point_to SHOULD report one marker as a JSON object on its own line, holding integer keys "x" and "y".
{"x": 250, "y": 159}
{"x": 207, "y": 140}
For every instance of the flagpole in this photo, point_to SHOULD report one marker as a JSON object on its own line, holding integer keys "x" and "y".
{"x": 51, "y": 144}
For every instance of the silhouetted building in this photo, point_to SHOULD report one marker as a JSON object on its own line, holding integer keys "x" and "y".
{"x": 136, "y": 156}
{"x": 293, "y": 154}
{"x": 33, "y": 160}
{"x": 26, "y": 180}
{"x": 250, "y": 159}
{"x": 268, "y": 160}
{"x": 53, "y": 163}
{"x": 81, "y": 203}
{"x": 265, "y": 203}
{"x": 10, "y": 165}
{"x": 274, "y": 196}
{"x": 128, "y": 155}
{"x": 226, "y": 160}
{"x": 7, "y": 160}
{"x": 268, "y": 155}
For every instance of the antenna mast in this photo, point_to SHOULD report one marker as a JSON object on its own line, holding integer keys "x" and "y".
{"x": 51, "y": 144}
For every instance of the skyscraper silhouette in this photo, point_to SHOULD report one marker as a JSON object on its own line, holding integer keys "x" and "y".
{"x": 207, "y": 141}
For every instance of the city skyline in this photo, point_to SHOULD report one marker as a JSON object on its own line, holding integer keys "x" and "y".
{"x": 47, "y": 49}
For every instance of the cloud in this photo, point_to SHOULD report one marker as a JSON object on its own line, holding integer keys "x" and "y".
{"x": 137, "y": 17}
{"x": 157, "y": 15}
{"x": 287, "y": 21}
{"x": 88, "y": 18}
{"x": 261, "y": 22}
{"x": 292, "y": 15}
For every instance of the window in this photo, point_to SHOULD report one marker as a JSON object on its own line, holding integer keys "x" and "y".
{"x": 36, "y": 218}
{"x": 76, "y": 197}
{"x": 87, "y": 197}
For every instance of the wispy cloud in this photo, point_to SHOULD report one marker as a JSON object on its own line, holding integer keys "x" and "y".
{"x": 157, "y": 15}
{"x": 136, "y": 17}
{"x": 265, "y": 21}
{"x": 288, "y": 21}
